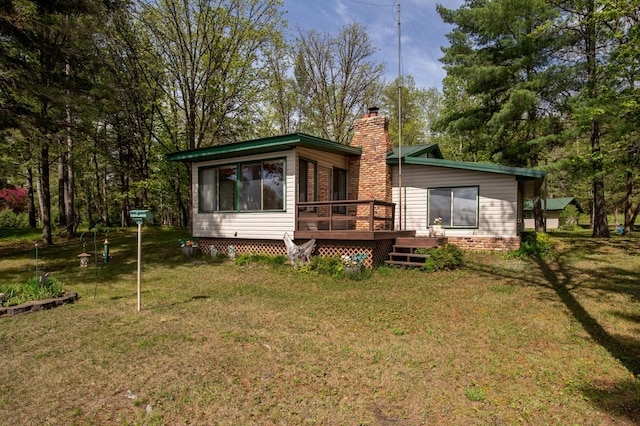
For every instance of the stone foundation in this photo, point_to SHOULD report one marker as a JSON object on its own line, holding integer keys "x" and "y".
{"x": 485, "y": 243}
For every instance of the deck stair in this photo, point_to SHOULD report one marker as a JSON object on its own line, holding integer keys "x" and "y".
{"x": 404, "y": 255}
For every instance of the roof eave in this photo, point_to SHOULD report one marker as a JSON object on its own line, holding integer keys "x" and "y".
{"x": 520, "y": 173}
{"x": 264, "y": 145}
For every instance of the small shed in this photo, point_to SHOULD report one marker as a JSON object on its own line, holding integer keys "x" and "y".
{"x": 554, "y": 206}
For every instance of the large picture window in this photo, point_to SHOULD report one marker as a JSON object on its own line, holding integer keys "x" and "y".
{"x": 458, "y": 207}
{"x": 244, "y": 187}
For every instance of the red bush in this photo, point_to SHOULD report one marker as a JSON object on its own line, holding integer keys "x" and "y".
{"x": 13, "y": 198}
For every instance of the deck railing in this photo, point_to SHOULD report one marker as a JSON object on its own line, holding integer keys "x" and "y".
{"x": 345, "y": 215}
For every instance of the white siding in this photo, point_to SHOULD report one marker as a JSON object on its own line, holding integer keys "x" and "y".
{"x": 497, "y": 205}
{"x": 259, "y": 225}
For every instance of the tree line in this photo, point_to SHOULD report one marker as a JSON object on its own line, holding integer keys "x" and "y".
{"x": 94, "y": 94}
{"x": 553, "y": 84}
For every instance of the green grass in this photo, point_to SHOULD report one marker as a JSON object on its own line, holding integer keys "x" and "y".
{"x": 499, "y": 340}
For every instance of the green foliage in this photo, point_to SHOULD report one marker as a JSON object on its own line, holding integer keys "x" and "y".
{"x": 326, "y": 265}
{"x": 219, "y": 258}
{"x": 446, "y": 257}
{"x": 334, "y": 266}
{"x": 31, "y": 290}
{"x": 534, "y": 244}
{"x": 9, "y": 219}
{"x": 258, "y": 259}
{"x": 500, "y": 102}
{"x": 420, "y": 108}
{"x": 474, "y": 394}
{"x": 569, "y": 218}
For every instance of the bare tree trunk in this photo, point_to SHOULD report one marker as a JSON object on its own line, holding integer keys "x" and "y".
{"x": 105, "y": 200}
{"x": 30, "y": 197}
{"x": 600, "y": 225}
{"x": 62, "y": 176}
{"x": 70, "y": 184}
{"x": 538, "y": 214}
{"x": 184, "y": 209}
{"x": 89, "y": 202}
{"x": 629, "y": 214}
{"x": 124, "y": 206}
{"x": 44, "y": 194}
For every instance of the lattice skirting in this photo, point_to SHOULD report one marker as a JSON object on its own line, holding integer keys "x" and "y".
{"x": 377, "y": 251}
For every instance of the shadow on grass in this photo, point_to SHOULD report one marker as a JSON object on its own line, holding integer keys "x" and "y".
{"x": 626, "y": 352}
{"x": 618, "y": 398}
{"x": 160, "y": 247}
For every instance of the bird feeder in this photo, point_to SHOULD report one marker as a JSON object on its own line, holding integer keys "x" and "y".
{"x": 84, "y": 259}
{"x": 105, "y": 254}
{"x": 139, "y": 216}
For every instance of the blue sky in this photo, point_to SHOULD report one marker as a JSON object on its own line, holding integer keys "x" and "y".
{"x": 423, "y": 32}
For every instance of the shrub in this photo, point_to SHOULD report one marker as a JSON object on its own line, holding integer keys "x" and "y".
{"x": 446, "y": 257}
{"x": 326, "y": 265}
{"x": 9, "y": 219}
{"x": 534, "y": 244}
{"x": 32, "y": 290}
{"x": 569, "y": 218}
{"x": 259, "y": 259}
{"x": 14, "y": 198}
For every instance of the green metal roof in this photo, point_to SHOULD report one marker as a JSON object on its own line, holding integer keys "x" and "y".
{"x": 554, "y": 203}
{"x": 425, "y": 150}
{"x": 520, "y": 173}
{"x": 264, "y": 145}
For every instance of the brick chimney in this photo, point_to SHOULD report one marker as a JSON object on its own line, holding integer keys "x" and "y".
{"x": 369, "y": 175}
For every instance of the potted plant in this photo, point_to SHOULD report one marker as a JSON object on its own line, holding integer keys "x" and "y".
{"x": 436, "y": 229}
{"x": 352, "y": 265}
{"x": 189, "y": 247}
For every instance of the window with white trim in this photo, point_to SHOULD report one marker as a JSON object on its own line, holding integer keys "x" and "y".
{"x": 457, "y": 207}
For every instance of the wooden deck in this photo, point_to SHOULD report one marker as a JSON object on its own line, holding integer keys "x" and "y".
{"x": 350, "y": 220}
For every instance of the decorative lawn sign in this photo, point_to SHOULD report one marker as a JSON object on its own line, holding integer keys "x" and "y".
{"x": 140, "y": 216}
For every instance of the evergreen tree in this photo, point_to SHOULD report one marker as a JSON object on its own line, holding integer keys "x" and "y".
{"x": 46, "y": 51}
{"x": 501, "y": 56}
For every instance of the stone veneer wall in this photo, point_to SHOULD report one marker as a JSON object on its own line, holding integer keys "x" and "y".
{"x": 485, "y": 243}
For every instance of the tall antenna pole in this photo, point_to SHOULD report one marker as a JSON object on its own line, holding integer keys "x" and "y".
{"x": 400, "y": 204}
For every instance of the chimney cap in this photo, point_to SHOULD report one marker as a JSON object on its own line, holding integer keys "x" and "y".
{"x": 373, "y": 111}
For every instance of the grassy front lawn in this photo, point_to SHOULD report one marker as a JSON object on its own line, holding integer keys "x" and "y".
{"x": 498, "y": 341}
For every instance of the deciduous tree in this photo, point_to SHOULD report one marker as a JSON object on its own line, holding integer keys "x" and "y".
{"x": 337, "y": 79}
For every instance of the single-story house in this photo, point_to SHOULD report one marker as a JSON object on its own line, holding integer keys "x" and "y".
{"x": 353, "y": 198}
{"x": 554, "y": 206}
